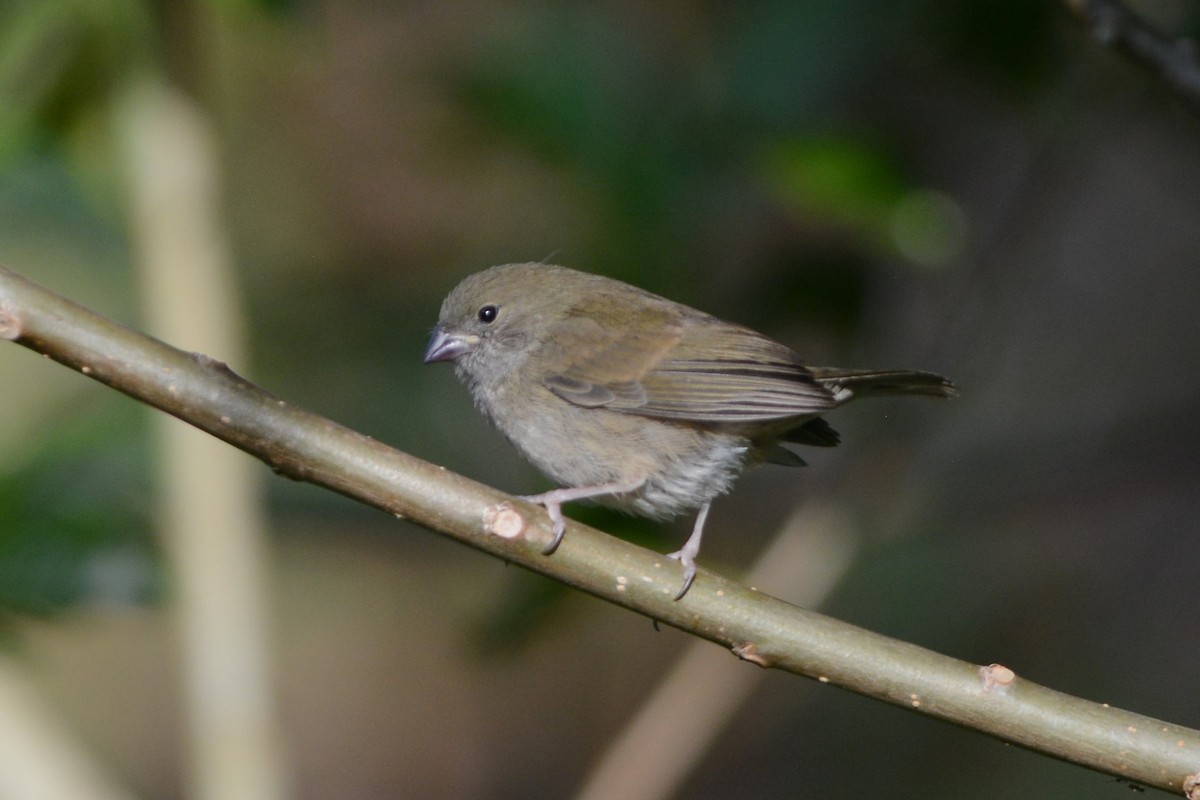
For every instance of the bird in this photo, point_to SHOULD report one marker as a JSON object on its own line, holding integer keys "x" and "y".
{"x": 635, "y": 401}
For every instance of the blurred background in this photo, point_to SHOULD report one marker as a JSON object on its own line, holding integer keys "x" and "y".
{"x": 976, "y": 188}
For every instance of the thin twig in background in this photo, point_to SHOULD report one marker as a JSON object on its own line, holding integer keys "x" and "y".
{"x": 756, "y": 627}
{"x": 1175, "y": 61}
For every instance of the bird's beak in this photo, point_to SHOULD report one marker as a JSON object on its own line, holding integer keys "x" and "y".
{"x": 446, "y": 345}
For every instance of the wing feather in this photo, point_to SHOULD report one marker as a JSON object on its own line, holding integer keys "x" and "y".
{"x": 691, "y": 367}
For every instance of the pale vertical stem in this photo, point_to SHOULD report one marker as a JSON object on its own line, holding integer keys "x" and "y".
{"x": 210, "y": 506}
{"x": 39, "y": 757}
{"x": 671, "y": 732}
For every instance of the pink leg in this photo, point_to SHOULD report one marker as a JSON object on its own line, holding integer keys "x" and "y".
{"x": 686, "y": 555}
{"x": 553, "y": 501}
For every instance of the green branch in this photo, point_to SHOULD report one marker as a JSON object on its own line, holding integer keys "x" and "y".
{"x": 757, "y": 628}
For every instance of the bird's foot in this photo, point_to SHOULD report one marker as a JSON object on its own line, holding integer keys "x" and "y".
{"x": 688, "y": 562}
{"x": 686, "y": 555}
{"x": 552, "y": 501}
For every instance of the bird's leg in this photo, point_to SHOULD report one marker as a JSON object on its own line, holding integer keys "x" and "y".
{"x": 553, "y": 501}
{"x": 686, "y": 555}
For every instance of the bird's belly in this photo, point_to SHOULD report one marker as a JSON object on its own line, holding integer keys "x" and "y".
{"x": 681, "y": 466}
{"x": 684, "y": 484}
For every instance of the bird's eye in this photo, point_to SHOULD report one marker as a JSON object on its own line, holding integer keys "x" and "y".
{"x": 487, "y": 314}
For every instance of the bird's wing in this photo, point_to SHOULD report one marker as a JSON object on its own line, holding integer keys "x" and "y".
{"x": 657, "y": 362}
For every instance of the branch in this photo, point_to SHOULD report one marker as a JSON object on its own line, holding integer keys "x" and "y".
{"x": 1174, "y": 61}
{"x": 757, "y": 628}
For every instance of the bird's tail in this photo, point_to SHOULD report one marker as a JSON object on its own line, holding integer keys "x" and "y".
{"x": 847, "y": 383}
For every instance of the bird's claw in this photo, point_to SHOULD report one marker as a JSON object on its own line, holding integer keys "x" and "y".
{"x": 688, "y": 563}
{"x": 554, "y": 510}
{"x": 560, "y": 530}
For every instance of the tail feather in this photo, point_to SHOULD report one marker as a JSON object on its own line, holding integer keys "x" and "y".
{"x": 816, "y": 432}
{"x": 868, "y": 382}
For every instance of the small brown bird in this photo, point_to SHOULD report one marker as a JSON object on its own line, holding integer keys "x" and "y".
{"x": 633, "y": 400}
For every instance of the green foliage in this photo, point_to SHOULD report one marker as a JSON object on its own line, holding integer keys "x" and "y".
{"x": 1012, "y": 42}
{"x": 74, "y": 519}
{"x": 60, "y": 63}
{"x": 836, "y": 179}
{"x": 672, "y": 137}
